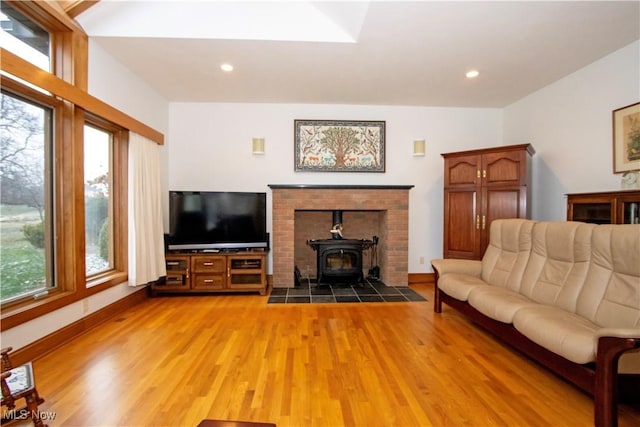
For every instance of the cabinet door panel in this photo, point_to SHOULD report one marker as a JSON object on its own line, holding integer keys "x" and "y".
{"x": 461, "y": 234}
{"x": 247, "y": 272}
{"x": 462, "y": 170}
{"x": 504, "y": 203}
{"x": 506, "y": 168}
{"x": 593, "y": 212}
{"x": 628, "y": 209}
{"x": 177, "y": 273}
{"x": 499, "y": 204}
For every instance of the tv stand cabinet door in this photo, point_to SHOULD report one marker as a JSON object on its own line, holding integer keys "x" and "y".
{"x": 247, "y": 272}
{"x": 178, "y": 274}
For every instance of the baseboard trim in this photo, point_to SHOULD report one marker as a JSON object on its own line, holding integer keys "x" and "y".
{"x": 46, "y": 344}
{"x": 429, "y": 278}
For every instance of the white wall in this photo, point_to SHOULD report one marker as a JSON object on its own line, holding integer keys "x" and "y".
{"x": 210, "y": 149}
{"x": 569, "y": 125}
{"x": 114, "y": 84}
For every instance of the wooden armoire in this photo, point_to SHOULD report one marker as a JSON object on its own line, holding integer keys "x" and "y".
{"x": 481, "y": 186}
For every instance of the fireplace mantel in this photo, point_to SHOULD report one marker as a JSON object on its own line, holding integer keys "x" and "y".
{"x": 339, "y": 187}
{"x": 391, "y": 200}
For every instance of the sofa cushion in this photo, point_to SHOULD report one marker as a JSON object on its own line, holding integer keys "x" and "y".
{"x": 558, "y": 263}
{"x": 506, "y": 256}
{"x": 610, "y": 296}
{"x": 567, "y": 334}
{"x": 497, "y": 303}
{"x": 458, "y": 285}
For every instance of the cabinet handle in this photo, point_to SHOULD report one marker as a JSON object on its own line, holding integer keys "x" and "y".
{"x": 484, "y": 173}
{"x": 228, "y": 272}
{"x": 207, "y": 264}
{"x": 484, "y": 221}
{"x": 172, "y": 263}
{"x": 478, "y": 173}
{"x": 208, "y": 281}
{"x": 187, "y": 275}
{"x": 477, "y": 222}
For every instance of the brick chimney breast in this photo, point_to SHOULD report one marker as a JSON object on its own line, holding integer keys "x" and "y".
{"x": 376, "y": 210}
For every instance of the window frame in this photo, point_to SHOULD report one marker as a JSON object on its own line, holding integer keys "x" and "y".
{"x": 119, "y": 189}
{"x": 68, "y": 42}
{"x": 20, "y": 91}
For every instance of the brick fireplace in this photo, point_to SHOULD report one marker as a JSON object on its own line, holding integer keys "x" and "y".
{"x": 389, "y": 205}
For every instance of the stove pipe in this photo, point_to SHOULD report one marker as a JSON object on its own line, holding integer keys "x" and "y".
{"x": 337, "y": 217}
{"x": 336, "y": 230}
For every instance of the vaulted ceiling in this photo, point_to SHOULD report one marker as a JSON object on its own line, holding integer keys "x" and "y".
{"x": 364, "y": 52}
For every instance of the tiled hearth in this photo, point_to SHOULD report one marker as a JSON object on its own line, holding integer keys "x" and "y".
{"x": 388, "y": 203}
{"x": 343, "y": 293}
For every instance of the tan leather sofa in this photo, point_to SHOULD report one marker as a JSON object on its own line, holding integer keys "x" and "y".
{"x": 564, "y": 293}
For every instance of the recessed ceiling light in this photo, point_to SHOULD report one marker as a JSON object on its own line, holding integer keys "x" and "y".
{"x": 226, "y": 67}
{"x": 472, "y": 74}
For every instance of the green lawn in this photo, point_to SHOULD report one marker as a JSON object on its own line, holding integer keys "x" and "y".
{"x": 22, "y": 266}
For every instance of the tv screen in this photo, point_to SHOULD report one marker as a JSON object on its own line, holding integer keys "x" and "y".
{"x": 200, "y": 220}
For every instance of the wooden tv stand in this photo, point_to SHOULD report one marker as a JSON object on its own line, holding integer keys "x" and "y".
{"x": 204, "y": 272}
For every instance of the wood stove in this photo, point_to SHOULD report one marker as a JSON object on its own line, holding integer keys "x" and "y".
{"x": 339, "y": 259}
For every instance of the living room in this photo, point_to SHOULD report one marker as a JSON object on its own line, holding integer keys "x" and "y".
{"x": 568, "y": 120}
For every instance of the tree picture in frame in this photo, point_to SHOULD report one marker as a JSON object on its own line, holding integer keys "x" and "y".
{"x": 339, "y": 146}
{"x": 626, "y": 138}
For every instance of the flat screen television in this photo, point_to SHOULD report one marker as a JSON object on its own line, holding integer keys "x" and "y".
{"x": 208, "y": 220}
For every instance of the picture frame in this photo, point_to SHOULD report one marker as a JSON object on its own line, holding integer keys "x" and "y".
{"x": 626, "y": 138}
{"x": 339, "y": 145}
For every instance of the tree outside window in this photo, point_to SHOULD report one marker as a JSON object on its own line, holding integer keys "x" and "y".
{"x": 26, "y": 253}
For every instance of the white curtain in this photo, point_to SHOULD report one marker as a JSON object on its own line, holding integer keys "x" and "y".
{"x": 146, "y": 234}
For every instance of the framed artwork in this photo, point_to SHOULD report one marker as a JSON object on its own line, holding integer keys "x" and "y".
{"x": 339, "y": 146}
{"x": 626, "y": 138}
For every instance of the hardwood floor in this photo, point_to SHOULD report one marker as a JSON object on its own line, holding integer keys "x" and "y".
{"x": 173, "y": 361}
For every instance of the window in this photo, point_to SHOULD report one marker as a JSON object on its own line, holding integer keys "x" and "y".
{"x": 23, "y": 37}
{"x": 97, "y": 202}
{"x": 26, "y": 214}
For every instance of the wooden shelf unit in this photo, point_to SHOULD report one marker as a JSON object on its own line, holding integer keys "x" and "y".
{"x": 608, "y": 207}
{"x": 214, "y": 272}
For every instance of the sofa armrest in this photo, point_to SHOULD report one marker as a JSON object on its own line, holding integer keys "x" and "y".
{"x": 460, "y": 266}
{"x": 618, "y": 333}
{"x": 606, "y": 382}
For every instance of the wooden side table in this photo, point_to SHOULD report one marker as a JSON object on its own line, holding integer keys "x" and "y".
{"x": 222, "y": 423}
